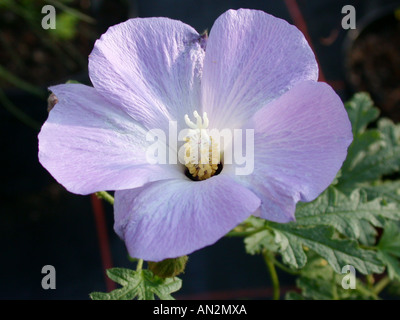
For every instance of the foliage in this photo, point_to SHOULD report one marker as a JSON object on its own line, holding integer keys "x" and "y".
{"x": 141, "y": 284}
{"x": 355, "y": 222}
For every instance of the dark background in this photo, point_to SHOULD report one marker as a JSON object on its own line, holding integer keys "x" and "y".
{"x": 42, "y": 224}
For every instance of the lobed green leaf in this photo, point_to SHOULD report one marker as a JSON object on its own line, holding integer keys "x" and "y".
{"x": 338, "y": 252}
{"x": 142, "y": 285}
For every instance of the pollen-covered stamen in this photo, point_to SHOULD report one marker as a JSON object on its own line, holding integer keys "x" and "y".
{"x": 202, "y": 155}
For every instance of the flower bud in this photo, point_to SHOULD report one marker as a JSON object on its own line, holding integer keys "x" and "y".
{"x": 169, "y": 267}
{"x": 51, "y": 102}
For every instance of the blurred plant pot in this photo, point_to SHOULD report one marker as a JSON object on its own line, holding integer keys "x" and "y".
{"x": 372, "y": 59}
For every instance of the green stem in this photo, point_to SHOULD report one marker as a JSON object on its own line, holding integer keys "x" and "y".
{"x": 366, "y": 291}
{"x": 285, "y": 268}
{"x": 72, "y": 11}
{"x": 19, "y": 83}
{"x": 370, "y": 280}
{"x": 335, "y": 295}
{"x": 243, "y": 233}
{"x": 105, "y": 196}
{"x": 381, "y": 285}
{"x": 368, "y": 247}
{"x": 16, "y": 112}
{"x": 269, "y": 261}
{"x": 139, "y": 265}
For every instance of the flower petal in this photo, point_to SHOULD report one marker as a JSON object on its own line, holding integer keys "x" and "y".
{"x": 172, "y": 218}
{"x": 301, "y": 141}
{"x": 252, "y": 58}
{"x": 89, "y": 145}
{"x": 151, "y": 67}
{"x": 278, "y": 201}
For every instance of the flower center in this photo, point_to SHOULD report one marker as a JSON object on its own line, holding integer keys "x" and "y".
{"x": 202, "y": 154}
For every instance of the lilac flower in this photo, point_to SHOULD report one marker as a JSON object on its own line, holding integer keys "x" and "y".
{"x": 254, "y": 71}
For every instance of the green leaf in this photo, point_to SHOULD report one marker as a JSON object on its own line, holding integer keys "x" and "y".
{"x": 67, "y": 26}
{"x": 389, "y": 190}
{"x": 122, "y": 276}
{"x": 374, "y": 152}
{"x": 142, "y": 285}
{"x": 330, "y": 289}
{"x": 346, "y": 213}
{"x": 389, "y": 249}
{"x": 394, "y": 288}
{"x": 392, "y": 264}
{"x": 294, "y": 296}
{"x": 315, "y": 227}
{"x": 368, "y": 234}
{"x": 315, "y": 288}
{"x": 371, "y": 157}
{"x": 390, "y": 240}
{"x": 357, "y": 152}
{"x": 361, "y": 112}
{"x": 337, "y": 252}
{"x": 73, "y": 81}
{"x": 319, "y": 281}
{"x": 260, "y": 240}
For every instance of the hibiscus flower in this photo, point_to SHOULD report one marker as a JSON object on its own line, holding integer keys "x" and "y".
{"x": 254, "y": 71}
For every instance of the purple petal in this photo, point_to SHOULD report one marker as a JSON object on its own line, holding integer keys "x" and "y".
{"x": 173, "y": 218}
{"x": 88, "y": 144}
{"x": 278, "y": 201}
{"x": 151, "y": 67}
{"x": 301, "y": 141}
{"x": 252, "y": 58}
